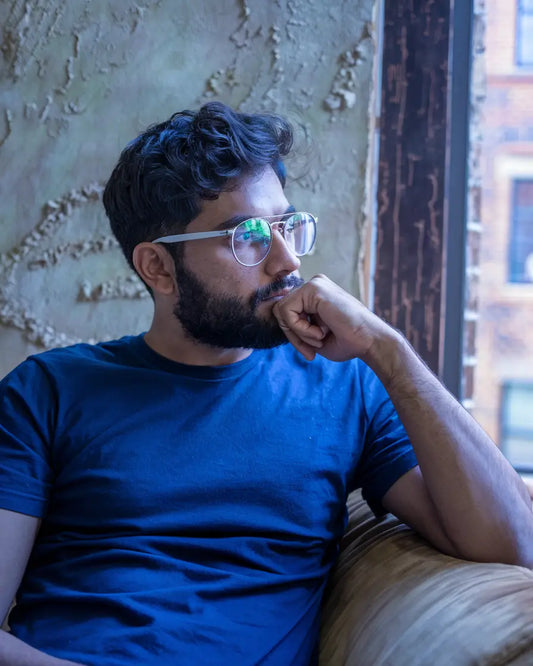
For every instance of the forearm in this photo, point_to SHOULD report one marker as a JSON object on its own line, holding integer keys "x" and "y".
{"x": 482, "y": 504}
{"x": 470, "y": 500}
{"x": 14, "y": 652}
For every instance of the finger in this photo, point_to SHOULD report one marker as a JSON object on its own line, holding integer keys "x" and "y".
{"x": 305, "y": 350}
{"x": 300, "y": 323}
{"x": 312, "y": 342}
{"x": 307, "y": 329}
{"x": 307, "y": 336}
{"x": 318, "y": 321}
{"x": 304, "y": 347}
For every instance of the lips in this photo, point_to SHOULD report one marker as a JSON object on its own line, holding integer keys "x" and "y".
{"x": 278, "y": 294}
{"x": 276, "y": 290}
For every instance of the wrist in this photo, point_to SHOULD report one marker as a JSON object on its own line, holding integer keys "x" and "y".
{"x": 386, "y": 355}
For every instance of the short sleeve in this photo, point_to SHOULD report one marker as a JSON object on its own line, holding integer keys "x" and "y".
{"x": 26, "y": 432}
{"x": 387, "y": 453}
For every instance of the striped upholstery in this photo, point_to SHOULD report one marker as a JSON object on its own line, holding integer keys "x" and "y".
{"x": 394, "y": 600}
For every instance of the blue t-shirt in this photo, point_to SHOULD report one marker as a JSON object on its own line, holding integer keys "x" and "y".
{"x": 191, "y": 515}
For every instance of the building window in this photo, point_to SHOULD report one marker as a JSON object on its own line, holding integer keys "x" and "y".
{"x": 517, "y": 424}
{"x": 521, "y": 239}
{"x": 524, "y": 30}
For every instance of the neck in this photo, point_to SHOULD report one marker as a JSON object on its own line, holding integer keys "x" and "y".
{"x": 170, "y": 340}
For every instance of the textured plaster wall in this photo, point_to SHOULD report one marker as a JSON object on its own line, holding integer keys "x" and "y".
{"x": 80, "y": 79}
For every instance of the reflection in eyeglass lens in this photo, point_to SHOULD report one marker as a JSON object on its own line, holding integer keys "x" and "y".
{"x": 255, "y": 230}
{"x": 252, "y": 238}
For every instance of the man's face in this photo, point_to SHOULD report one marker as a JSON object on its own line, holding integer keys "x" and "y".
{"x": 220, "y": 302}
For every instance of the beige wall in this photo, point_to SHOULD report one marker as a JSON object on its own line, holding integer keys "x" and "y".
{"x": 80, "y": 79}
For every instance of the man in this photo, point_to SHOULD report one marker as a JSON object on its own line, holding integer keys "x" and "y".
{"x": 178, "y": 497}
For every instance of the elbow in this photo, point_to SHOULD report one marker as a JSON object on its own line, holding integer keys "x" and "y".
{"x": 510, "y": 553}
{"x": 509, "y": 542}
{"x": 492, "y": 546}
{"x": 524, "y": 557}
{"x": 521, "y": 547}
{"x": 517, "y": 557}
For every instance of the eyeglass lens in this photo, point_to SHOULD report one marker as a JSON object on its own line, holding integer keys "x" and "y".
{"x": 252, "y": 239}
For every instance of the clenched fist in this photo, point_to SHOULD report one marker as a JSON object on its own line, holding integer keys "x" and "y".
{"x": 320, "y": 317}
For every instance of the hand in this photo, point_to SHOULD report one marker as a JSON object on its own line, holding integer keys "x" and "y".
{"x": 320, "y": 317}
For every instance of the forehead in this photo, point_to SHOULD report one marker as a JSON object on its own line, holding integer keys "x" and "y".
{"x": 254, "y": 195}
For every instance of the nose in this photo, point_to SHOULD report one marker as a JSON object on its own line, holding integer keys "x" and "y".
{"x": 281, "y": 260}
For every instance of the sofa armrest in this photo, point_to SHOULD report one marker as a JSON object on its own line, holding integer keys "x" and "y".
{"x": 394, "y": 599}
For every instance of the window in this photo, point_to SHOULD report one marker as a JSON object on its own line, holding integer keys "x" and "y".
{"x": 524, "y": 30}
{"x": 517, "y": 424}
{"x": 521, "y": 241}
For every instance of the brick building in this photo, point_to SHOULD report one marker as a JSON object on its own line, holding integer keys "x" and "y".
{"x": 503, "y": 393}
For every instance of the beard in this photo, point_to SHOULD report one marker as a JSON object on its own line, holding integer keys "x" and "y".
{"x": 224, "y": 320}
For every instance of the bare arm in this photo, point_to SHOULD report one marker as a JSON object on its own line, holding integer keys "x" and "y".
{"x": 17, "y": 535}
{"x": 482, "y": 505}
{"x": 465, "y": 497}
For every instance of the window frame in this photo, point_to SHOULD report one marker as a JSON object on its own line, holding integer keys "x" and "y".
{"x": 513, "y": 235}
{"x": 520, "y": 33}
{"x": 505, "y": 430}
{"x": 422, "y": 187}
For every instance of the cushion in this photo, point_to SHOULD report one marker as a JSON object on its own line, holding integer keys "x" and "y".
{"x": 394, "y": 599}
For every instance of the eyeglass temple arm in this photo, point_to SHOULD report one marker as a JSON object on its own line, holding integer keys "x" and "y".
{"x": 178, "y": 238}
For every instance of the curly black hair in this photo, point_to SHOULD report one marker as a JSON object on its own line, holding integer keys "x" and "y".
{"x": 163, "y": 175}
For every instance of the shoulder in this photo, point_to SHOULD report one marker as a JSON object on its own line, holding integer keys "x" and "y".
{"x": 107, "y": 351}
{"x": 50, "y": 365}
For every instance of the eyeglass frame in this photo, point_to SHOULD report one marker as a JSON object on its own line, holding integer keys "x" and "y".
{"x": 199, "y": 235}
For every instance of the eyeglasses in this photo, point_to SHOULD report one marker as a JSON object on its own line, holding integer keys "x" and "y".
{"x": 251, "y": 240}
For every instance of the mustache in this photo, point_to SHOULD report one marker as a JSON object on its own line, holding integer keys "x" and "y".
{"x": 288, "y": 282}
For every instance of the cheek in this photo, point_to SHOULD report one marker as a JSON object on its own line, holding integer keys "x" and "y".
{"x": 220, "y": 272}
{"x": 237, "y": 283}
{"x": 206, "y": 260}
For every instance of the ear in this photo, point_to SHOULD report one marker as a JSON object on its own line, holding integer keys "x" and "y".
{"x": 155, "y": 266}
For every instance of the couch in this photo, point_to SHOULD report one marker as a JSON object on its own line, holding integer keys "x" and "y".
{"x": 394, "y": 600}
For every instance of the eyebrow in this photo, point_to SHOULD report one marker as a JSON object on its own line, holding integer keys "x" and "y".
{"x": 237, "y": 219}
